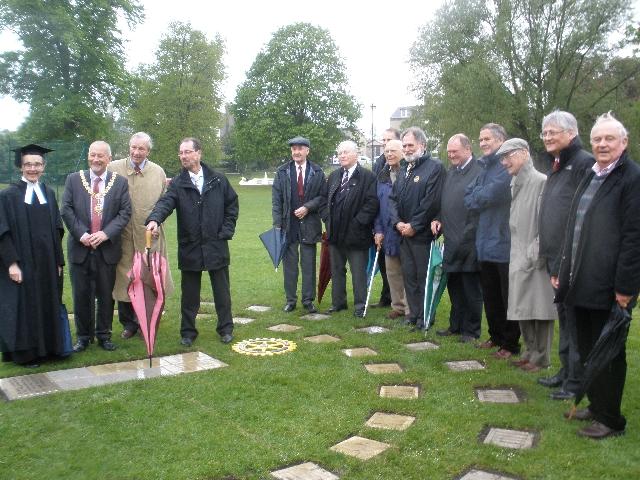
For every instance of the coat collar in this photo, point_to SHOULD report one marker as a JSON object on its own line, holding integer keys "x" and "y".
{"x": 566, "y": 153}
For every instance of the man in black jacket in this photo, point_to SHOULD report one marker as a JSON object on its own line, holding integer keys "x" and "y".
{"x": 352, "y": 205}
{"x": 568, "y": 163}
{"x": 413, "y": 205}
{"x": 600, "y": 265}
{"x": 296, "y": 203}
{"x": 207, "y": 209}
{"x": 460, "y": 259}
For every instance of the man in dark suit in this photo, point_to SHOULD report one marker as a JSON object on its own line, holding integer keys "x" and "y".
{"x": 296, "y": 203}
{"x": 207, "y": 210}
{"x": 352, "y": 205}
{"x": 95, "y": 208}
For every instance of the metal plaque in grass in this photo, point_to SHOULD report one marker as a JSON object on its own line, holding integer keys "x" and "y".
{"x": 264, "y": 347}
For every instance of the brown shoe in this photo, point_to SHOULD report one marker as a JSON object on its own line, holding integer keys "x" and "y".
{"x": 127, "y": 334}
{"x": 530, "y": 367}
{"x": 598, "y": 431}
{"x": 582, "y": 414}
{"x": 393, "y": 314}
{"x": 519, "y": 363}
{"x": 503, "y": 354}
{"x": 487, "y": 345}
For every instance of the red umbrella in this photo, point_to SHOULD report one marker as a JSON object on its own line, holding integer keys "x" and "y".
{"x": 146, "y": 291}
{"x": 324, "y": 276}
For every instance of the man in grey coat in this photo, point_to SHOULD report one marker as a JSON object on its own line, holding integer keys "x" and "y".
{"x": 296, "y": 203}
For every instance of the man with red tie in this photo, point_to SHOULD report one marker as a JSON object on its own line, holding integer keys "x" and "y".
{"x": 297, "y": 201}
{"x": 95, "y": 208}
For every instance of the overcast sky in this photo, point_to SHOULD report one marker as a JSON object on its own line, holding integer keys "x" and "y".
{"x": 373, "y": 38}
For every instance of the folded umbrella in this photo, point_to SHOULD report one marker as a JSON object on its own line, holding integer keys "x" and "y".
{"x": 146, "y": 291}
{"x": 274, "y": 240}
{"x": 608, "y": 346}
{"x": 372, "y": 264}
{"x": 372, "y": 274}
{"x": 435, "y": 283}
{"x": 324, "y": 275}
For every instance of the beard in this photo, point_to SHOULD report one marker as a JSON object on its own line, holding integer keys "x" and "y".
{"x": 412, "y": 158}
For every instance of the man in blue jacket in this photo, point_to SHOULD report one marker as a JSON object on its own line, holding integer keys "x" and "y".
{"x": 489, "y": 197}
{"x": 296, "y": 203}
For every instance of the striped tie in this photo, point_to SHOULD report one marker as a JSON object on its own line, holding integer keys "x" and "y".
{"x": 345, "y": 181}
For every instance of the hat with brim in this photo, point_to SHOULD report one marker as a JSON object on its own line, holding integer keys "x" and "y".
{"x": 512, "y": 145}
{"x": 31, "y": 149}
{"x": 299, "y": 141}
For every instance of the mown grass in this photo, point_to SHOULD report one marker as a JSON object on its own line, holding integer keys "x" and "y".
{"x": 260, "y": 414}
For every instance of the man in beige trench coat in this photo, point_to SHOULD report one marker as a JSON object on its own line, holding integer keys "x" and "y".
{"x": 147, "y": 182}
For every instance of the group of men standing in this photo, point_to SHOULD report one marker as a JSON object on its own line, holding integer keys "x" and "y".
{"x": 516, "y": 241}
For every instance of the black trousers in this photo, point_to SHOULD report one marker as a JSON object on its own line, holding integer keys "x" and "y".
{"x": 357, "y": 259}
{"x": 414, "y": 257}
{"x": 127, "y": 316}
{"x": 92, "y": 284}
{"x": 305, "y": 255}
{"x": 466, "y": 303}
{"x": 571, "y": 369}
{"x": 190, "y": 301}
{"x": 494, "y": 279}
{"x": 605, "y": 392}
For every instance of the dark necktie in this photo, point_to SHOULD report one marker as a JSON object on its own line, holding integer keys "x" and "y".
{"x": 345, "y": 181}
{"x": 556, "y": 165}
{"x": 136, "y": 170}
{"x": 300, "y": 184}
{"x": 96, "y": 207}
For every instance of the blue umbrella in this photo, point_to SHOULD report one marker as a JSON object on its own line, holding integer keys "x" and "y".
{"x": 274, "y": 241}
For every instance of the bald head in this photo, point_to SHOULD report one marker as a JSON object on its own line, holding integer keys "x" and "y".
{"x": 458, "y": 149}
{"x": 393, "y": 152}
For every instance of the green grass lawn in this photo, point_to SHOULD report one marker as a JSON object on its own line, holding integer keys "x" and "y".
{"x": 261, "y": 414}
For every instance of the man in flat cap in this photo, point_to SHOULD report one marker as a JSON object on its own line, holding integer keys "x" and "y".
{"x": 296, "y": 203}
{"x": 31, "y": 262}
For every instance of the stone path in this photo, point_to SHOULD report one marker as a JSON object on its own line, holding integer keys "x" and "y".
{"x": 304, "y": 471}
{"x": 359, "y": 352}
{"x": 284, "y": 327}
{"x": 372, "y": 330}
{"x": 359, "y": 447}
{"x": 506, "y": 438}
{"x": 27, "y": 386}
{"x": 322, "y": 339}
{"x": 382, "y": 368}
{"x": 390, "y": 421}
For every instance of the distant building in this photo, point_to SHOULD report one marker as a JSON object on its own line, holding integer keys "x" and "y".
{"x": 399, "y": 116}
{"x": 374, "y": 149}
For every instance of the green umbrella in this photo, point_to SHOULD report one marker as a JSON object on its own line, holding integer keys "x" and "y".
{"x": 435, "y": 283}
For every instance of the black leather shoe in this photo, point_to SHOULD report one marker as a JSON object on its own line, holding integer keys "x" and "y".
{"x": 582, "y": 414}
{"x": 333, "y": 309}
{"x": 562, "y": 395}
{"x": 186, "y": 342}
{"x": 359, "y": 313}
{"x": 289, "y": 307}
{"x": 107, "y": 345}
{"x": 598, "y": 431}
{"x": 551, "y": 382}
{"x": 446, "y": 333}
{"x": 310, "y": 307}
{"x": 380, "y": 305}
{"x": 226, "y": 338}
{"x": 127, "y": 334}
{"x": 32, "y": 364}
{"x": 80, "y": 346}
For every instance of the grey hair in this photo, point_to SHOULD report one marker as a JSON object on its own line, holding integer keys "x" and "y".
{"x": 608, "y": 117}
{"x": 145, "y": 137}
{"x": 463, "y": 139}
{"x": 102, "y": 142}
{"x": 348, "y": 145}
{"x": 564, "y": 120}
{"x": 417, "y": 133}
{"x": 496, "y": 130}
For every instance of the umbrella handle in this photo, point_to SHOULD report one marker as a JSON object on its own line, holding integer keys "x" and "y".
{"x": 147, "y": 239}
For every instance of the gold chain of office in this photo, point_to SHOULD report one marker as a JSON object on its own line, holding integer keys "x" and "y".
{"x": 99, "y": 196}
{"x": 260, "y": 347}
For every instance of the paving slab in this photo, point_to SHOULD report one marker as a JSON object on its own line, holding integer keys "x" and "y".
{"x": 284, "y": 327}
{"x": 304, "y": 471}
{"x": 315, "y": 316}
{"x": 203, "y": 316}
{"x": 404, "y": 392}
{"x": 516, "y": 439}
{"x": 258, "y": 308}
{"x": 324, "y": 338}
{"x": 207, "y": 307}
{"x": 465, "y": 365}
{"x": 495, "y": 395}
{"x": 475, "y": 474}
{"x": 242, "y": 320}
{"x": 420, "y": 346}
{"x": 390, "y": 421}
{"x": 381, "y": 368}
{"x": 27, "y": 386}
{"x": 360, "y": 447}
{"x": 372, "y": 330}
{"x": 359, "y": 352}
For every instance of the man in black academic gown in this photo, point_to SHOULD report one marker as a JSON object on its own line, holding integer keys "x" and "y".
{"x": 31, "y": 263}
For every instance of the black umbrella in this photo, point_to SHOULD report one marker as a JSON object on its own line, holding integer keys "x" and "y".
{"x": 611, "y": 342}
{"x": 274, "y": 241}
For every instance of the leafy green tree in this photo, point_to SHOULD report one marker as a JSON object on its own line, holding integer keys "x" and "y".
{"x": 514, "y": 61}
{"x": 296, "y": 86}
{"x": 179, "y": 95}
{"x": 71, "y": 68}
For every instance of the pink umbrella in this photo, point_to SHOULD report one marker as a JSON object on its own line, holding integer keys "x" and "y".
{"x": 146, "y": 291}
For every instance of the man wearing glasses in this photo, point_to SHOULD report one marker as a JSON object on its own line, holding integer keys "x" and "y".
{"x": 567, "y": 163}
{"x": 207, "y": 210}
